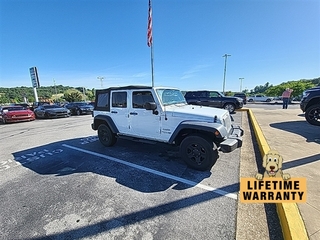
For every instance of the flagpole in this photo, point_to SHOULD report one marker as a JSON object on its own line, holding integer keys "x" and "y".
{"x": 152, "y": 77}
{"x": 150, "y": 40}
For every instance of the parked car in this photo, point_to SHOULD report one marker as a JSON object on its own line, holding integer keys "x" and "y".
{"x": 259, "y": 98}
{"x": 51, "y": 111}
{"x": 78, "y": 108}
{"x": 241, "y": 95}
{"x": 37, "y": 104}
{"x": 310, "y": 105}
{"x": 16, "y": 114}
{"x": 213, "y": 99}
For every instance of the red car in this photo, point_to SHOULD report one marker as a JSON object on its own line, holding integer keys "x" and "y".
{"x": 16, "y": 114}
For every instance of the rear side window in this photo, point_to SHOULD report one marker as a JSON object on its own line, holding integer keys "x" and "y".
{"x": 119, "y": 99}
{"x": 103, "y": 101}
{"x": 140, "y": 98}
{"x": 195, "y": 94}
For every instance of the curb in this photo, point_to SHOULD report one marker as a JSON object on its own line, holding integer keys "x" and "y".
{"x": 292, "y": 225}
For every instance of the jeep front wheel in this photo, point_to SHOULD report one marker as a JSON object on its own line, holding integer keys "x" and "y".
{"x": 106, "y": 137}
{"x": 313, "y": 114}
{"x": 198, "y": 153}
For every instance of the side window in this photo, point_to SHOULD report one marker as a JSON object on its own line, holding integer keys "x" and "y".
{"x": 214, "y": 94}
{"x": 140, "y": 98}
{"x": 103, "y": 101}
{"x": 119, "y": 99}
{"x": 202, "y": 94}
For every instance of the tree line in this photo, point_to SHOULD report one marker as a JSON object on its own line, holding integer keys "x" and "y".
{"x": 298, "y": 86}
{"x": 60, "y": 93}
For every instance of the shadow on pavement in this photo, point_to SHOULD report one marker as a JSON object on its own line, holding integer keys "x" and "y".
{"x": 302, "y": 128}
{"x": 138, "y": 166}
{"x": 274, "y": 227}
{"x": 132, "y": 218}
{"x": 301, "y": 161}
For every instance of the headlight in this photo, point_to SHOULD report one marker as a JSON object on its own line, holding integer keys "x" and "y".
{"x": 68, "y": 111}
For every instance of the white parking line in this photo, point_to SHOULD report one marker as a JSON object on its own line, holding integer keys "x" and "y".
{"x": 169, "y": 176}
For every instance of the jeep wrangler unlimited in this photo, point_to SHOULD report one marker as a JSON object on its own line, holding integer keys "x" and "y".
{"x": 310, "y": 104}
{"x": 160, "y": 114}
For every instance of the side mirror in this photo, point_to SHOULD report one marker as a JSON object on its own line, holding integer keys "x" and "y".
{"x": 150, "y": 106}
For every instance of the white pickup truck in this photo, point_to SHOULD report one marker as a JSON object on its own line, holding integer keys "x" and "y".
{"x": 259, "y": 98}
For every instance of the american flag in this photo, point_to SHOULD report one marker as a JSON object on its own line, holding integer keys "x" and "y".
{"x": 149, "y": 34}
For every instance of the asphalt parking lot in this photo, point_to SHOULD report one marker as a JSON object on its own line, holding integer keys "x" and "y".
{"x": 58, "y": 182}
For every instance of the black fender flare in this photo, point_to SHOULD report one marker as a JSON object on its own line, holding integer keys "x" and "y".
{"x": 200, "y": 126}
{"x": 108, "y": 120}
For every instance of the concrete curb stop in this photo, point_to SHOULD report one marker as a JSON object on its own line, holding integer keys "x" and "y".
{"x": 292, "y": 225}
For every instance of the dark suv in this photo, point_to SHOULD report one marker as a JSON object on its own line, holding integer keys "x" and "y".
{"x": 310, "y": 104}
{"x": 241, "y": 95}
{"x": 213, "y": 99}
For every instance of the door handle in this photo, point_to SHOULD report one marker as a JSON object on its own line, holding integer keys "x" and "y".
{"x": 133, "y": 113}
{"x": 114, "y": 112}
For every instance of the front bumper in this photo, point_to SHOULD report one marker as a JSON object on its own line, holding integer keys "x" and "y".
{"x": 233, "y": 141}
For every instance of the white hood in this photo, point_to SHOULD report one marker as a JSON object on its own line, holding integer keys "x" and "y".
{"x": 196, "y": 112}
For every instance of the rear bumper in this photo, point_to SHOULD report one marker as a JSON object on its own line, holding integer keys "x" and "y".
{"x": 233, "y": 141}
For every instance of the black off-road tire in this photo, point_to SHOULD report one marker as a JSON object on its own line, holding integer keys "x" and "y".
{"x": 230, "y": 107}
{"x": 268, "y": 100}
{"x": 198, "y": 152}
{"x": 78, "y": 112}
{"x": 312, "y": 114}
{"x": 106, "y": 137}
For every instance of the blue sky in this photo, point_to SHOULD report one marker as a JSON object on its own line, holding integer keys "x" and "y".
{"x": 72, "y": 42}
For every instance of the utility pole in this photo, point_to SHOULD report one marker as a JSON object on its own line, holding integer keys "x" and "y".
{"x": 225, "y": 71}
{"x": 55, "y": 88}
{"x": 84, "y": 93}
{"x": 101, "y": 80}
{"x": 241, "y": 84}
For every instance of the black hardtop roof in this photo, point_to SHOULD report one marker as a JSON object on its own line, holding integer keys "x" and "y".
{"x": 129, "y": 87}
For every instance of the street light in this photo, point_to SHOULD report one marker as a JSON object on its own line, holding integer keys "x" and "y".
{"x": 241, "y": 84}
{"x": 225, "y": 70}
{"x": 101, "y": 80}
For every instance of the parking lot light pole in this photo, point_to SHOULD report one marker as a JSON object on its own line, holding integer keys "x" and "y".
{"x": 241, "y": 84}
{"x": 225, "y": 71}
{"x": 101, "y": 80}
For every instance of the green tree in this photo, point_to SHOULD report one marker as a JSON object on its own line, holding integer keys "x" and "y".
{"x": 72, "y": 95}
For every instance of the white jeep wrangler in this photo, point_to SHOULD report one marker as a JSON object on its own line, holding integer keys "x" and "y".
{"x": 161, "y": 114}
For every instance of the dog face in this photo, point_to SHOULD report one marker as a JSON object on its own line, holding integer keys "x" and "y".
{"x": 272, "y": 162}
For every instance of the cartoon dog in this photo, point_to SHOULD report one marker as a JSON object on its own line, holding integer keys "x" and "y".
{"x": 272, "y": 162}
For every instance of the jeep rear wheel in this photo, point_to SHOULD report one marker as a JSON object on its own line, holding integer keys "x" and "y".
{"x": 312, "y": 114}
{"x": 230, "y": 107}
{"x": 106, "y": 137}
{"x": 198, "y": 153}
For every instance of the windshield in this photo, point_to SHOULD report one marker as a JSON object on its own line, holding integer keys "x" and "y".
{"x": 81, "y": 103}
{"x": 50, "y": 106}
{"x": 170, "y": 96}
{"x": 13, "y": 108}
